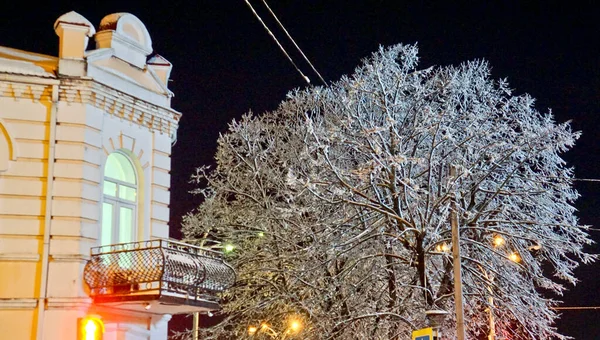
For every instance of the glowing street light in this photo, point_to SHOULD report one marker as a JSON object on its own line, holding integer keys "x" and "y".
{"x": 90, "y": 328}
{"x": 499, "y": 241}
{"x": 443, "y": 248}
{"x": 514, "y": 257}
{"x": 228, "y": 248}
{"x": 294, "y": 327}
{"x": 264, "y": 327}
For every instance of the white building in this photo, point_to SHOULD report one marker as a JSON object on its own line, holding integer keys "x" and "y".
{"x": 85, "y": 144}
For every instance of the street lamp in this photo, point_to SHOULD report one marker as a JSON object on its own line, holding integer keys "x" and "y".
{"x": 228, "y": 248}
{"x": 294, "y": 327}
{"x": 456, "y": 266}
{"x": 442, "y": 248}
{"x": 498, "y": 241}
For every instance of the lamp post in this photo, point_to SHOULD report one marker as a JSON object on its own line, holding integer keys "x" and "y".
{"x": 498, "y": 241}
{"x": 196, "y": 327}
{"x": 458, "y": 296}
{"x": 492, "y": 322}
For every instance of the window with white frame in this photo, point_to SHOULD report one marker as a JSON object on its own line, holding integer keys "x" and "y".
{"x": 119, "y": 205}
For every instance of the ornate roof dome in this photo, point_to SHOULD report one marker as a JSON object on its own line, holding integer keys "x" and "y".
{"x": 127, "y": 35}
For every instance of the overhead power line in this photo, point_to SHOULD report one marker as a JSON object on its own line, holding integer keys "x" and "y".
{"x": 586, "y": 179}
{"x": 294, "y": 42}
{"x": 277, "y": 42}
{"x": 576, "y": 308}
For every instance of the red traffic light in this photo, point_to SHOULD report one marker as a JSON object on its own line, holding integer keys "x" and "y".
{"x": 90, "y": 328}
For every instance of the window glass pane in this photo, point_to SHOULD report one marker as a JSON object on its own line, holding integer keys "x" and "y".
{"x": 127, "y": 193}
{"x": 120, "y": 168}
{"x": 107, "y": 224}
{"x": 125, "y": 225}
{"x": 119, "y": 191}
{"x": 110, "y": 188}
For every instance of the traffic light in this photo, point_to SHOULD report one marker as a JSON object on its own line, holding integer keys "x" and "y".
{"x": 90, "y": 328}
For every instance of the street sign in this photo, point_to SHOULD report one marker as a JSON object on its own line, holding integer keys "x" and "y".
{"x": 423, "y": 334}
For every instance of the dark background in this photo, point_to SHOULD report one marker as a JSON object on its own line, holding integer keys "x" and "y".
{"x": 226, "y": 64}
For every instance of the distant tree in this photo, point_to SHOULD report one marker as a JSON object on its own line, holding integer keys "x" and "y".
{"x": 337, "y": 206}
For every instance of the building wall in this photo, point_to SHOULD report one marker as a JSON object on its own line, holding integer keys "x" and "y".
{"x": 23, "y": 187}
{"x": 55, "y": 136}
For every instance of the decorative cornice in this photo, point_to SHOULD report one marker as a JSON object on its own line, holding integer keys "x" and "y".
{"x": 87, "y": 91}
{"x": 121, "y": 105}
{"x": 34, "y": 92}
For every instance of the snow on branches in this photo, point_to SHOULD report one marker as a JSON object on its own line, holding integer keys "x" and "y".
{"x": 338, "y": 205}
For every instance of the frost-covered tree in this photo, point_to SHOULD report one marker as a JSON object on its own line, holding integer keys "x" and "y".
{"x": 338, "y": 205}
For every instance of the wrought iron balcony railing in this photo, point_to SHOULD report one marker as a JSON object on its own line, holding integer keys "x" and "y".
{"x": 169, "y": 272}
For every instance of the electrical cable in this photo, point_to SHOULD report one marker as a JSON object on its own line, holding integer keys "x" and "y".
{"x": 294, "y": 42}
{"x": 586, "y": 179}
{"x": 576, "y": 308}
{"x": 277, "y": 42}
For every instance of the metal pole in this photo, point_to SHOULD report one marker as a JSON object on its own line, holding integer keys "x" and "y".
{"x": 458, "y": 296}
{"x": 492, "y": 333}
{"x": 195, "y": 328}
{"x": 43, "y": 294}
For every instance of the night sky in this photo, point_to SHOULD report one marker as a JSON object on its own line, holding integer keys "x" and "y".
{"x": 225, "y": 64}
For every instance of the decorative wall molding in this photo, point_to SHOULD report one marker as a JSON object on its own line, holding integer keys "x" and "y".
{"x": 121, "y": 105}
{"x": 18, "y": 303}
{"x": 8, "y": 147}
{"x": 70, "y": 258}
{"x": 20, "y": 257}
{"x": 121, "y": 141}
{"x": 87, "y": 91}
{"x": 69, "y": 303}
{"x": 18, "y": 91}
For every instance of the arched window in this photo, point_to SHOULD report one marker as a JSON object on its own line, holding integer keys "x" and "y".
{"x": 120, "y": 201}
{"x": 4, "y": 151}
{"x": 6, "y": 148}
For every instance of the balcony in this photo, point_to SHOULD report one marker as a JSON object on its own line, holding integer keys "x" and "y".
{"x": 157, "y": 276}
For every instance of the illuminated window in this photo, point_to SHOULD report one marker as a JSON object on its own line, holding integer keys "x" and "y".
{"x": 120, "y": 201}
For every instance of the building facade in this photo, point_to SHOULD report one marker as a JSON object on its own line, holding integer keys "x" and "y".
{"x": 85, "y": 145}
